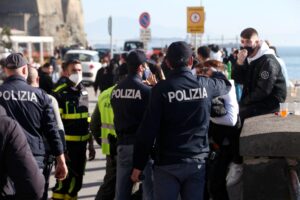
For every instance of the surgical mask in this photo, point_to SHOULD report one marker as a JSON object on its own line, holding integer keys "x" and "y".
{"x": 76, "y": 78}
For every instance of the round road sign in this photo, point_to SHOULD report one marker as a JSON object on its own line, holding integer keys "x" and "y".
{"x": 144, "y": 20}
{"x": 195, "y": 17}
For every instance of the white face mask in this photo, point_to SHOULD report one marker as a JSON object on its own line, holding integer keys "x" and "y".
{"x": 76, "y": 78}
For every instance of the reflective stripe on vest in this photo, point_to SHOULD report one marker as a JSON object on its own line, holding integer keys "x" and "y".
{"x": 77, "y": 138}
{"x": 58, "y": 195}
{"x": 72, "y": 185}
{"x": 104, "y": 141}
{"x": 75, "y": 116}
{"x": 60, "y": 87}
{"x": 108, "y": 126}
{"x": 107, "y": 118}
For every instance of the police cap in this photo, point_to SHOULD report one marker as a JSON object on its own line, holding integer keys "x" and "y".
{"x": 15, "y": 60}
{"x": 135, "y": 58}
{"x": 179, "y": 52}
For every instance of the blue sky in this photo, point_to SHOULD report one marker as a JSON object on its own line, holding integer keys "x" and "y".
{"x": 275, "y": 20}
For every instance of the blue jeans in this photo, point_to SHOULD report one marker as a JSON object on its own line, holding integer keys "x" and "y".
{"x": 239, "y": 91}
{"x": 186, "y": 179}
{"x": 124, "y": 170}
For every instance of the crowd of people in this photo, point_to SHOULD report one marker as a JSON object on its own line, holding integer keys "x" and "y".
{"x": 170, "y": 123}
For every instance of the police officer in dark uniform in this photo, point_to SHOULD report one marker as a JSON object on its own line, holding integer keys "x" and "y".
{"x": 72, "y": 98}
{"x": 129, "y": 100}
{"x": 31, "y": 107}
{"x": 17, "y": 163}
{"x": 177, "y": 117}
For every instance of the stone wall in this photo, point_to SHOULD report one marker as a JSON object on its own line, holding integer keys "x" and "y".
{"x": 62, "y": 19}
{"x": 18, "y": 7}
{"x": 21, "y": 15}
{"x": 75, "y": 14}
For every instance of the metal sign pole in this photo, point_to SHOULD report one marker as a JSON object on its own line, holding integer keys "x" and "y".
{"x": 111, "y": 38}
{"x": 201, "y": 38}
{"x": 195, "y": 43}
{"x": 145, "y": 32}
{"x": 111, "y": 48}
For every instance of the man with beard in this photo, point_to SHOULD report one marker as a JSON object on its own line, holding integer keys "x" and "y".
{"x": 264, "y": 87}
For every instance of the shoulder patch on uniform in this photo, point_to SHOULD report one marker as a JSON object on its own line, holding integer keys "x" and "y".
{"x": 265, "y": 75}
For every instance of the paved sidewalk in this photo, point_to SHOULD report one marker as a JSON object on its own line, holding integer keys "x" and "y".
{"x": 92, "y": 179}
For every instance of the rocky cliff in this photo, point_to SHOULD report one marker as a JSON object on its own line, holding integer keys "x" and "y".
{"x": 62, "y": 19}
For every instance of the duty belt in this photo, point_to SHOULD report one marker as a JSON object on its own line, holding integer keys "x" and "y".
{"x": 77, "y": 138}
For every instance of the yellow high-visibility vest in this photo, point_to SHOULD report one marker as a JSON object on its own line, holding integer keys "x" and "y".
{"x": 107, "y": 118}
{"x": 68, "y": 112}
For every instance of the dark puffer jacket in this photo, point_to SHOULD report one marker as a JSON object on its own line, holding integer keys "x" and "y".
{"x": 17, "y": 163}
{"x": 263, "y": 81}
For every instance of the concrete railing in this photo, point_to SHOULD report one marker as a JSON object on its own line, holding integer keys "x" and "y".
{"x": 268, "y": 144}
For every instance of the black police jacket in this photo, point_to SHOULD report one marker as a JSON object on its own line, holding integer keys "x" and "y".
{"x": 104, "y": 79}
{"x": 31, "y": 107}
{"x": 263, "y": 81}
{"x": 45, "y": 82}
{"x": 178, "y": 118}
{"x": 129, "y": 100}
{"x": 72, "y": 100}
{"x": 17, "y": 163}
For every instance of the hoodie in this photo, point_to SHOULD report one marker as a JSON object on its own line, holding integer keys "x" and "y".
{"x": 262, "y": 78}
{"x": 20, "y": 177}
{"x": 264, "y": 50}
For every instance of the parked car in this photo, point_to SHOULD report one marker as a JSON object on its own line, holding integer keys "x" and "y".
{"x": 2, "y": 75}
{"x": 4, "y": 52}
{"x": 90, "y": 63}
{"x": 133, "y": 44}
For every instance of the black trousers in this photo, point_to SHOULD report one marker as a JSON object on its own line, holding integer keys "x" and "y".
{"x": 76, "y": 160}
{"x": 49, "y": 162}
{"x": 224, "y": 149}
{"x": 216, "y": 173}
{"x": 107, "y": 189}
